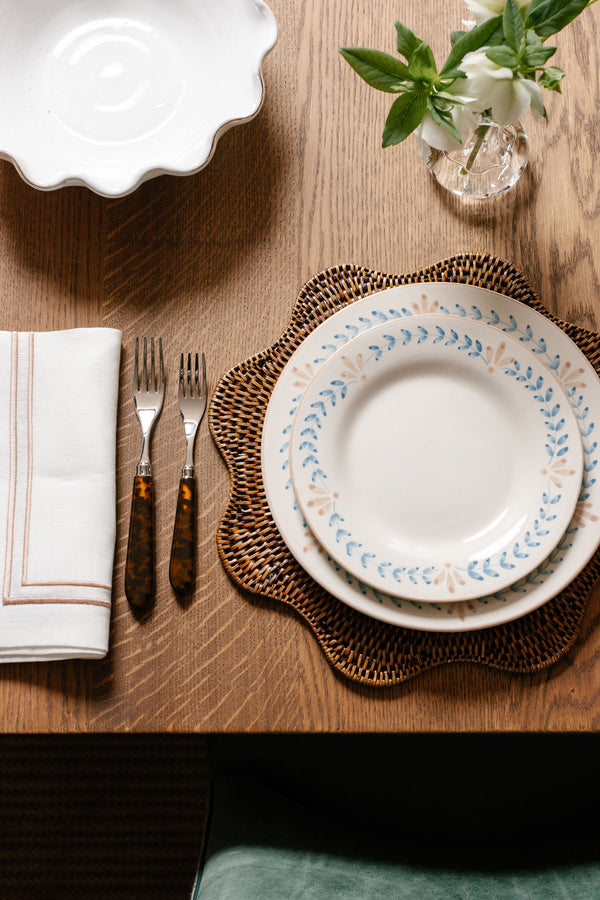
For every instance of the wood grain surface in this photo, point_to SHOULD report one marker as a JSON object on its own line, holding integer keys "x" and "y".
{"x": 213, "y": 263}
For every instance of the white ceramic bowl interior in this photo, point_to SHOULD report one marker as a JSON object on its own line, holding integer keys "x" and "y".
{"x": 110, "y": 93}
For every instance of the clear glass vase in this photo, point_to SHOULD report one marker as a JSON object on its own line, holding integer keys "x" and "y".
{"x": 491, "y": 160}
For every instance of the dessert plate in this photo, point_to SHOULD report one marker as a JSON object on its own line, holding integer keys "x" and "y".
{"x": 533, "y": 331}
{"x": 109, "y": 95}
{"x": 436, "y": 458}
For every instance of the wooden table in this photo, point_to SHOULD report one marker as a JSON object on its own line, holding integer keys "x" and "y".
{"x": 214, "y": 262}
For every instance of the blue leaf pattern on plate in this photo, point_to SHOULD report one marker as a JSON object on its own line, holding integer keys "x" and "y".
{"x": 556, "y": 447}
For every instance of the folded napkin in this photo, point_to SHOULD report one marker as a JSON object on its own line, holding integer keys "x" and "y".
{"x": 58, "y": 407}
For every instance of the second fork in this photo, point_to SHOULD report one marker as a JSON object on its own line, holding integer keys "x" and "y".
{"x": 192, "y": 405}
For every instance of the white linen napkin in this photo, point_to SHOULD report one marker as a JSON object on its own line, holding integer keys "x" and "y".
{"x": 58, "y": 408}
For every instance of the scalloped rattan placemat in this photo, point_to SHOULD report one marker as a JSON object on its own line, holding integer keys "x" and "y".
{"x": 256, "y": 557}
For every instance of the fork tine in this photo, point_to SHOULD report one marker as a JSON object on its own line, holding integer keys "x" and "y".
{"x": 136, "y": 379}
{"x": 149, "y": 377}
{"x": 181, "y": 376}
{"x": 203, "y": 388}
{"x": 196, "y": 377}
{"x": 145, "y": 367}
{"x": 190, "y": 392}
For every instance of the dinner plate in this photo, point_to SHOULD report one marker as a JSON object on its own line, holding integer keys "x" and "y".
{"x": 535, "y": 332}
{"x": 436, "y": 458}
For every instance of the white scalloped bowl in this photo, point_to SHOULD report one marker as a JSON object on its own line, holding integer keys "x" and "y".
{"x": 111, "y": 93}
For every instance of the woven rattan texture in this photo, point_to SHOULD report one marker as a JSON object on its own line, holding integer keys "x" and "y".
{"x": 256, "y": 557}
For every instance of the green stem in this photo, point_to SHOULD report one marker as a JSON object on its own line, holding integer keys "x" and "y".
{"x": 480, "y": 133}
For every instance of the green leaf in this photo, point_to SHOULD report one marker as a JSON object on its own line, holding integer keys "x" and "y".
{"x": 407, "y": 42}
{"x": 532, "y": 39}
{"x": 503, "y": 56}
{"x": 532, "y": 6}
{"x": 551, "y": 78}
{"x": 538, "y": 56}
{"x": 512, "y": 23}
{"x": 443, "y": 118}
{"x": 456, "y": 36}
{"x": 439, "y": 103}
{"x": 380, "y": 70}
{"x": 489, "y": 32}
{"x": 550, "y": 16}
{"x": 453, "y": 74}
{"x": 405, "y": 115}
{"x": 422, "y": 65}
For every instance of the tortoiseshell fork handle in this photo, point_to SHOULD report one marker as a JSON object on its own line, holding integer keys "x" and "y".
{"x": 139, "y": 568}
{"x": 182, "y": 569}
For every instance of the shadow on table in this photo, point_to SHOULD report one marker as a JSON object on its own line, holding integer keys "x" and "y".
{"x": 180, "y": 234}
{"x": 516, "y": 202}
{"x": 171, "y": 235}
{"x": 52, "y": 244}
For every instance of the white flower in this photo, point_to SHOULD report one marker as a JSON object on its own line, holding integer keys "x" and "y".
{"x": 487, "y": 9}
{"x": 497, "y": 88}
{"x": 437, "y": 136}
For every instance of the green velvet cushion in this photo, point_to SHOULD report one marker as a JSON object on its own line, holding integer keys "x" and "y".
{"x": 266, "y": 845}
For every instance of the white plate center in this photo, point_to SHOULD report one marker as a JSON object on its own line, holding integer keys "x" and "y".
{"x": 417, "y": 487}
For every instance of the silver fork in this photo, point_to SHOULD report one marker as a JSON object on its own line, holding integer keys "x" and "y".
{"x": 148, "y": 397}
{"x": 192, "y": 405}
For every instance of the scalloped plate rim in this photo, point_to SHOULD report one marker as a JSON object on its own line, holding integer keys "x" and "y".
{"x": 114, "y": 188}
